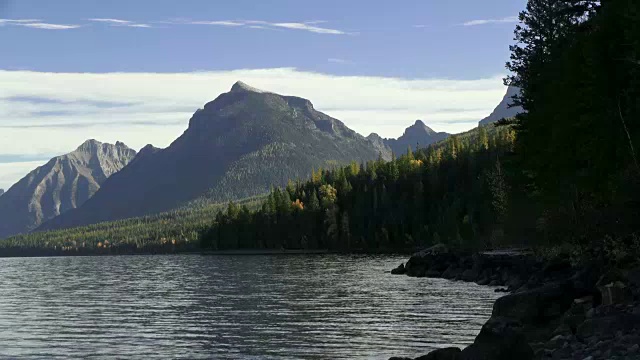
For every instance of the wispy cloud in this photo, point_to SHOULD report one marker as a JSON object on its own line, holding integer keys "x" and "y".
{"x": 38, "y": 100}
{"x": 509, "y": 19}
{"x": 110, "y": 21}
{"x": 18, "y": 21}
{"x": 37, "y": 24}
{"x": 310, "y": 26}
{"x": 120, "y": 22}
{"x": 419, "y": 26}
{"x": 219, "y": 23}
{"x": 339, "y": 61}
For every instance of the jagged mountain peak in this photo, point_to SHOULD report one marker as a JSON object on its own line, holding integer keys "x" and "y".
{"x": 416, "y": 135}
{"x": 419, "y": 128}
{"x": 93, "y": 146}
{"x": 63, "y": 183}
{"x": 88, "y": 145}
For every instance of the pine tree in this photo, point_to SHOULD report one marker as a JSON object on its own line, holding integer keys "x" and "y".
{"x": 314, "y": 202}
{"x": 409, "y": 153}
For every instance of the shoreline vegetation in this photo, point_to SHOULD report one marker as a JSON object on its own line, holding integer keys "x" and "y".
{"x": 192, "y": 250}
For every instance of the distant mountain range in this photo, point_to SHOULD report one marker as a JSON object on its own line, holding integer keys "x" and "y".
{"x": 237, "y": 146}
{"x": 415, "y": 136}
{"x": 503, "y": 110}
{"x": 62, "y": 184}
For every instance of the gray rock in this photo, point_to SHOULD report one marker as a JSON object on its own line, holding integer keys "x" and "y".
{"x": 469, "y": 275}
{"x": 451, "y": 272}
{"x": 400, "y": 270}
{"x": 607, "y": 326}
{"x": 500, "y": 339}
{"x": 561, "y": 353}
{"x": 536, "y": 306}
{"x": 631, "y": 339}
{"x": 589, "y": 313}
{"x": 555, "y": 342}
{"x": 435, "y": 258}
{"x": 451, "y": 353}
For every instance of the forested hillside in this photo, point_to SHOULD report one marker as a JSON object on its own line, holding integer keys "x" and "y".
{"x": 170, "y": 231}
{"x": 453, "y": 192}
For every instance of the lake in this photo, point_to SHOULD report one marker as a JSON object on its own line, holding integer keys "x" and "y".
{"x": 234, "y": 307}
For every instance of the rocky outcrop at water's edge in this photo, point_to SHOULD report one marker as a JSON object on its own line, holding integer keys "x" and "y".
{"x": 553, "y": 310}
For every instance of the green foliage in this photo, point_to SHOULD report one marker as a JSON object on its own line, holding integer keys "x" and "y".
{"x": 399, "y": 204}
{"x": 180, "y": 227}
{"x": 575, "y": 63}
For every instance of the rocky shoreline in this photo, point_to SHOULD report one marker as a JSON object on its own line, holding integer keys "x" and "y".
{"x": 553, "y": 310}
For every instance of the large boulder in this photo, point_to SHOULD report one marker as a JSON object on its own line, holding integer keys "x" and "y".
{"x": 613, "y": 288}
{"x": 400, "y": 270}
{"x": 501, "y": 338}
{"x": 536, "y": 306}
{"x": 434, "y": 259}
{"x": 608, "y": 325}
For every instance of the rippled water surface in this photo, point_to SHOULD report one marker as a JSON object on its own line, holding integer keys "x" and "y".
{"x": 260, "y": 307}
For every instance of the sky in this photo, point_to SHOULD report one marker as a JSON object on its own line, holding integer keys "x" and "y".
{"x": 135, "y": 71}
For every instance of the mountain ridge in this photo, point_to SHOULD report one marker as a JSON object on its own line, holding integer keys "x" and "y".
{"x": 504, "y": 108}
{"x": 63, "y": 183}
{"x": 237, "y": 146}
{"x": 415, "y": 136}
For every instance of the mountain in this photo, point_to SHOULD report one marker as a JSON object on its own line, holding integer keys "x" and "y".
{"x": 381, "y": 145}
{"x": 503, "y": 110}
{"x": 62, "y": 184}
{"x": 237, "y": 146}
{"x": 416, "y": 135}
{"x": 1, "y": 192}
